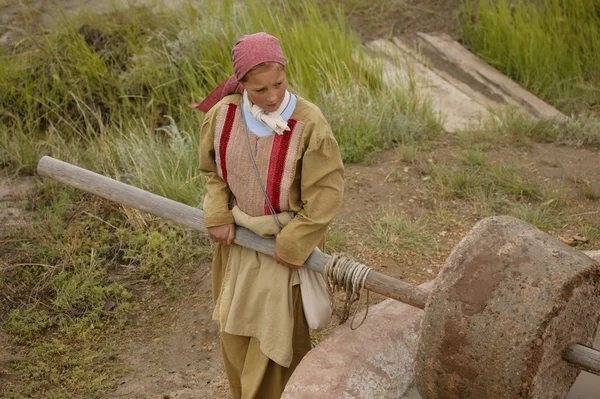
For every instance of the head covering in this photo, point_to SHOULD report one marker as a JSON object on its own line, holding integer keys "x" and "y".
{"x": 248, "y": 52}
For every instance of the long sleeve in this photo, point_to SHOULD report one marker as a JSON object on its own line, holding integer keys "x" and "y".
{"x": 322, "y": 186}
{"x": 216, "y": 201}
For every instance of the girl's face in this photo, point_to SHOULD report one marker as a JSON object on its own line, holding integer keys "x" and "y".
{"x": 266, "y": 87}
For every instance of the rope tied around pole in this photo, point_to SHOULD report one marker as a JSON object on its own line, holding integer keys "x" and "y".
{"x": 345, "y": 274}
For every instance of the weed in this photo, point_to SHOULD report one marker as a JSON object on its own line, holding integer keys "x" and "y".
{"x": 505, "y": 178}
{"x": 592, "y": 230}
{"x": 511, "y": 126}
{"x": 27, "y": 324}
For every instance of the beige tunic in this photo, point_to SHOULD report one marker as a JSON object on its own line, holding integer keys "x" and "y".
{"x": 303, "y": 174}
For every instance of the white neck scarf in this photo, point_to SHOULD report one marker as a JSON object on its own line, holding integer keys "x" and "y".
{"x": 272, "y": 120}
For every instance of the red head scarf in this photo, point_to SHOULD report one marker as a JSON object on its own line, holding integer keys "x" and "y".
{"x": 248, "y": 52}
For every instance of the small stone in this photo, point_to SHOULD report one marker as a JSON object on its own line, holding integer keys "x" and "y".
{"x": 582, "y": 239}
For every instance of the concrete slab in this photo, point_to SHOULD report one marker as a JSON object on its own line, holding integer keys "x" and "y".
{"x": 478, "y": 79}
{"x": 402, "y": 66}
{"x": 461, "y": 87}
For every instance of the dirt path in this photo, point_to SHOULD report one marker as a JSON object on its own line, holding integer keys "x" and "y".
{"x": 176, "y": 352}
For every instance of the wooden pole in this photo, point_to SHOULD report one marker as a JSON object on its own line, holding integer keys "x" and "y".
{"x": 585, "y": 358}
{"x": 188, "y": 216}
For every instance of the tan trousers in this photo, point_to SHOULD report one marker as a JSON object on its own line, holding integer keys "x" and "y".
{"x": 251, "y": 374}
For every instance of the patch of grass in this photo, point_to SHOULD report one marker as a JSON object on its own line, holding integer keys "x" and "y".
{"x": 62, "y": 295}
{"x": 408, "y": 152}
{"x": 579, "y": 131}
{"x": 336, "y": 241}
{"x": 556, "y": 194}
{"x": 592, "y": 231}
{"x": 472, "y": 158}
{"x": 151, "y": 253}
{"x": 493, "y": 180}
{"x": 366, "y": 122}
{"x": 511, "y": 126}
{"x": 505, "y": 178}
{"x": 27, "y": 324}
{"x": 400, "y": 233}
{"x": 490, "y": 204}
{"x": 65, "y": 369}
{"x": 551, "y": 47}
{"x": 543, "y": 216}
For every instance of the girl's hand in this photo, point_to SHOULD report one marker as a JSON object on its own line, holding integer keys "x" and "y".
{"x": 223, "y": 235}
{"x": 281, "y": 262}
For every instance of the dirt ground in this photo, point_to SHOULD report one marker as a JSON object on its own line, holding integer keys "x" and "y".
{"x": 173, "y": 349}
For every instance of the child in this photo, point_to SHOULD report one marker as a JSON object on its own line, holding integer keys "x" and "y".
{"x": 273, "y": 166}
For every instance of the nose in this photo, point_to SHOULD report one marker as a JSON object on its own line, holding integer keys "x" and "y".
{"x": 272, "y": 96}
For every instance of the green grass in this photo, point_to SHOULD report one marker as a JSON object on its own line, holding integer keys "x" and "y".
{"x": 408, "y": 152}
{"x": 472, "y": 158}
{"x": 551, "y": 47}
{"x": 400, "y": 233}
{"x": 495, "y": 180}
{"x": 366, "y": 122}
{"x": 62, "y": 298}
{"x": 501, "y": 188}
{"x": 336, "y": 241}
{"x": 543, "y": 216}
{"x": 96, "y": 75}
{"x": 510, "y": 126}
{"x": 67, "y": 369}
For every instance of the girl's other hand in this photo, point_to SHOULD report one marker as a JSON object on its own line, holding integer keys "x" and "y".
{"x": 223, "y": 235}
{"x": 281, "y": 262}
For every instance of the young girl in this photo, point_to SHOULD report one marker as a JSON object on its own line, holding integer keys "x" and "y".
{"x": 273, "y": 166}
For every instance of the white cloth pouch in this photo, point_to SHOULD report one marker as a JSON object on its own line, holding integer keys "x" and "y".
{"x": 315, "y": 299}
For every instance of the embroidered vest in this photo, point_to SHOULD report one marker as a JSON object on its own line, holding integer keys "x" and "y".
{"x": 275, "y": 157}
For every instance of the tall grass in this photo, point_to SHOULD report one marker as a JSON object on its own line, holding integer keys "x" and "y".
{"x": 518, "y": 128}
{"x": 95, "y": 73}
{"x": 551, "y": 47}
